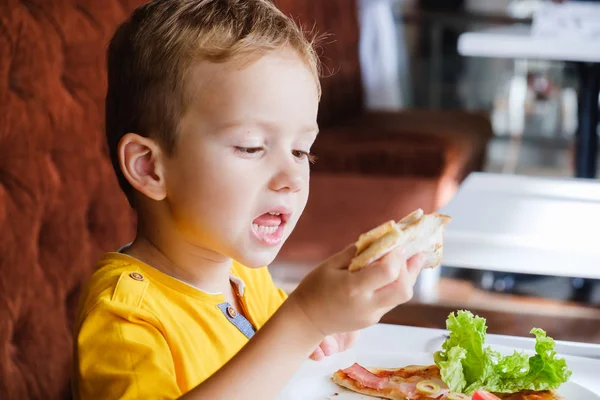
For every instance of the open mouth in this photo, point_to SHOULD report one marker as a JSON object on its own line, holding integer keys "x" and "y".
{"x": 268, "y": 228}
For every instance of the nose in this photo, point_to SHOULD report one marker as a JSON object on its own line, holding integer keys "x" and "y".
{"x": 288, "y": 177}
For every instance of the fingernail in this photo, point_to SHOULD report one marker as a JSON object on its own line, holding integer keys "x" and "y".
{"x": 318, "y": 355}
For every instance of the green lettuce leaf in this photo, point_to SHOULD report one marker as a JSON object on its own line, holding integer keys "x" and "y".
{"x": 543, "y": 371}
{"x": 467, "y": 332}
{"x": 452, "y": 370}
{"x": 467, "y": 365}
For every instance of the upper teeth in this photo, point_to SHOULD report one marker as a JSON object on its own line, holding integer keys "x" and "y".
{"x": 274, "y": 213}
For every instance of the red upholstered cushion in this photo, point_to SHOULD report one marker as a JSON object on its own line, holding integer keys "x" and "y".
{"x": 60, "y": 206}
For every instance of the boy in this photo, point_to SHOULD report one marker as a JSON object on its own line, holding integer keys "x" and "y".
{"x": 210, "y": 115}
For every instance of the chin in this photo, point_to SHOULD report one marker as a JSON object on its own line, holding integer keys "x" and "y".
{"x": 257, "y": 258}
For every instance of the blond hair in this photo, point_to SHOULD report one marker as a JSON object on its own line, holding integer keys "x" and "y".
{"x": 151, "y": 53}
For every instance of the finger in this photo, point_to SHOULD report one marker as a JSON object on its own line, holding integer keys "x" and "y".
{"x": 317, "y": 355}
{"x": 342, "y": 259}
{"x": 414, "y": 267}
{"x": 396, "y": 293}
{"x": 329, "y": 345}
{"x": 382, "y": 272}
{"x": 347, "y": 340}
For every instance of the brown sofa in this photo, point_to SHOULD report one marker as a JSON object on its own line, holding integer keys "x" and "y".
{"x": 60, "y": 206}
{"x": 59, "y": 203}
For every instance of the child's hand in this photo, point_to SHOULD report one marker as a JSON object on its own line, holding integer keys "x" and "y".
{"x": 335, "y": 343}
{"x": 335, "y": 300}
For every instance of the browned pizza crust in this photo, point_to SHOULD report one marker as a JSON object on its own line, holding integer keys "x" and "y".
{"x": 417, "y": 233}
{"x": 532, "y": 395}
{"x": 368, "y": 238}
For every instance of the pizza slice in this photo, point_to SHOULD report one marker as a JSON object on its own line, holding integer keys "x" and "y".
{"x": 413, "y": 382}
{"x": 416, "y": 233}
{"x": 417, "y": 382}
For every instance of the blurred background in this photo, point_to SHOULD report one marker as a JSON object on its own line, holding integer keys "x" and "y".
{"x": 441, "y": 78}
{"x": 435, "y": 75}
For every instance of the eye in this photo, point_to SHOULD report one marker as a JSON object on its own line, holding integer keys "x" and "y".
{"x": 249, "y": 151}
{"x": 301, "y": 155}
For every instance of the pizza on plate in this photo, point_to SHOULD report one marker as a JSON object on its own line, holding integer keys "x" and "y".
{"x": 393, "y": 383}
{"x": 414, "y": 382}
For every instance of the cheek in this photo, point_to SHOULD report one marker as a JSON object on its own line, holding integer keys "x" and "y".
{"x": 302, "y": 196}
{"x": 307, "y": 182}
{"x": 212, "y": 207}
{"x": 199, "y": 185}
{"x": 216, "y": 193}
{"x": 225, "y": 192}
{"x": 305, "y": 190}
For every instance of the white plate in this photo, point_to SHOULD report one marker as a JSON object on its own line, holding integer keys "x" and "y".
{"x": 312, "y": 382}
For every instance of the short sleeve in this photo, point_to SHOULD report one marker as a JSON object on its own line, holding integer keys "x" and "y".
{"x": 121, "y": 354}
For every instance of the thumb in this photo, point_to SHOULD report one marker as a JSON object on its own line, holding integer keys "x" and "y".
{"x": 342, "y": 259}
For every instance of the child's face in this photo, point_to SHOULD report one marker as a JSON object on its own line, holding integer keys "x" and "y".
{"x": 242, "y": 157}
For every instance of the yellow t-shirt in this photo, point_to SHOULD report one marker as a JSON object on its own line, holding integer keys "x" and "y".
{"x": 142, "y": 334}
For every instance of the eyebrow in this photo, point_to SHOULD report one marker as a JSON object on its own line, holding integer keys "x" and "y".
{"x": 268, "y": 126}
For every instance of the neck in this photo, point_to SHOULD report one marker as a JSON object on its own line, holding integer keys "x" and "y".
{"x": 167, "y": 252}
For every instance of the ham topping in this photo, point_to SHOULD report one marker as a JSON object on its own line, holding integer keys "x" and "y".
{"x": 368, "y": 379}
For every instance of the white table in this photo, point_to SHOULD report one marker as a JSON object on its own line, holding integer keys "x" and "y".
{"x": 517, "y": 42}
{"x": 428, "y": 340}
{"x": 392, "y": 343}
{"x": 531, "y": 225}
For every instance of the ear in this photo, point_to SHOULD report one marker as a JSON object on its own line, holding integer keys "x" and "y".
{"x": 141, "y": 161}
